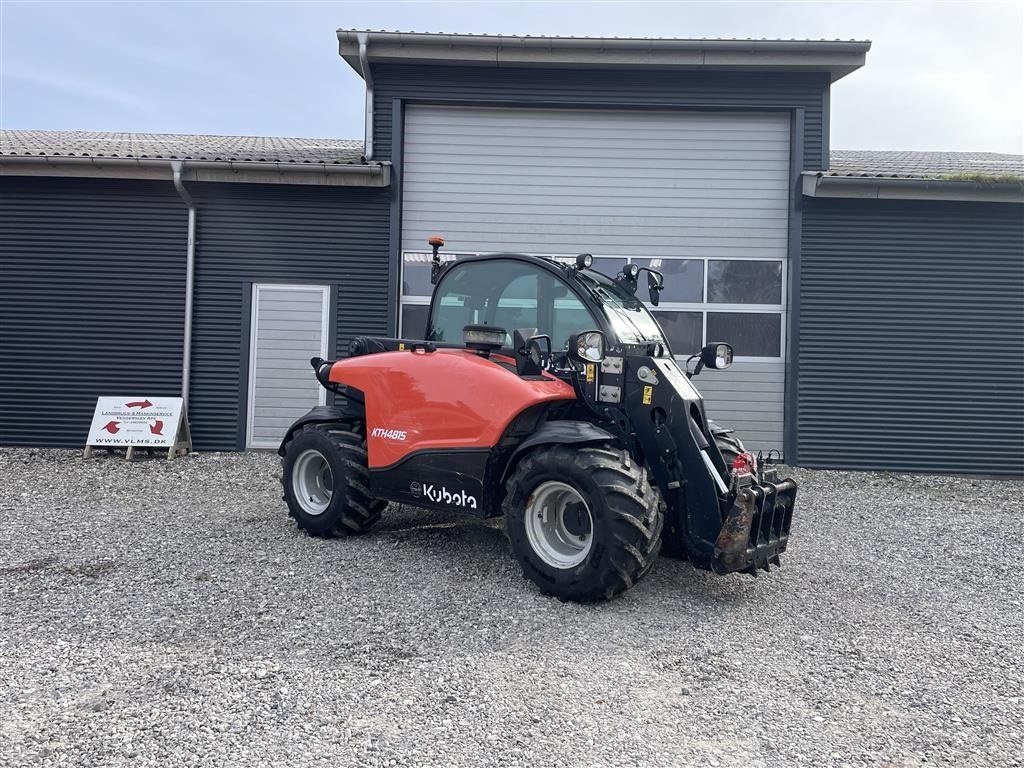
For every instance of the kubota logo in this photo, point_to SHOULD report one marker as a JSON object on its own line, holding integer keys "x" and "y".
{"x": 388, "y": 434}
{"x": 441, "y": 495}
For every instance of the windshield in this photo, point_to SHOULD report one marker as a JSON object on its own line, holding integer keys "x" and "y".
{"x": 630, "y": 319}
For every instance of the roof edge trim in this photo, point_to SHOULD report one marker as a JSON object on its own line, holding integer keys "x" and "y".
{"x": 838, "y": 57}
{"x": 887, "y": 188}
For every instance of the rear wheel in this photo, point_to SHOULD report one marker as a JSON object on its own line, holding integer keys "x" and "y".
{"x": 584, "y": 523}
{"x": 326, "y": 480}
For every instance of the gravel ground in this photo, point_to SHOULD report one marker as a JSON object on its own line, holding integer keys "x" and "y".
{"x": 168, "y": 613}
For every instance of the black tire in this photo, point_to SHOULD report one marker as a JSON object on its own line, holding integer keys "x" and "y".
{"x": 350, "y": 509}
{"x": 729, "y": 446}
{"x": 625, "y": 514}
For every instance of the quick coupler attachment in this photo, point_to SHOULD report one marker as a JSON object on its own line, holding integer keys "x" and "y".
{"x": 756, "y": 529}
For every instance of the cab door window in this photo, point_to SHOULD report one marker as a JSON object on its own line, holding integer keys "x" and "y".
{"x": 517, "y": 304}
{"x": 510, "y": 295}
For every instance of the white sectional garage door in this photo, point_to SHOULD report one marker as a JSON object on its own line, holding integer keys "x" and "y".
{"x": 706, "y": 194}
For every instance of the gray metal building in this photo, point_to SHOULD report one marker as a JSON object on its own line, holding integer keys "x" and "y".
{"x": 874, "y": 299}
{"x": 908, "y": 327}
{"x": 290, "y": 261}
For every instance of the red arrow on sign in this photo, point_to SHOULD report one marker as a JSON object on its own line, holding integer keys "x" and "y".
{"x": 138, "y": 404}
{"x": 111, "y": 427}
{"x": 156, "y": 427}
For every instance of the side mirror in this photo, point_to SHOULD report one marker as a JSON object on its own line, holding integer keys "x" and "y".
{"x": 587, "y": 347}
{"x": 655, "y": 285}
{"x": 533, "y": 351}
{"x": 717, "y": 355}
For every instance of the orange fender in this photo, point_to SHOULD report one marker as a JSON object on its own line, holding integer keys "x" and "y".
{"x": 451, "y": 398}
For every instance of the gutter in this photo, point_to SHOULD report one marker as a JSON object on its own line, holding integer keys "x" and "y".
{"x": 373, "y": 172}
{"x": 886, "y": 187}
{"x": 190, "y": 265}
{"x": 364, "y": 70}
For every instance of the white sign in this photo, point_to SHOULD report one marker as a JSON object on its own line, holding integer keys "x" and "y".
{"x": 144, "y": 422}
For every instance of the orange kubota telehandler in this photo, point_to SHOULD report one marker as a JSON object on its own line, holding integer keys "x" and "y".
{"x": 545, "y": 392}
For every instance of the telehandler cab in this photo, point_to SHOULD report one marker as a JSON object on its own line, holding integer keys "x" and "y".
{"x": 545, "y": 392}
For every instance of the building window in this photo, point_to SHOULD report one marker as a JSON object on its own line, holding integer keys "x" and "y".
{"x": 736, "y": 300}
{"x": 414, "y": 321}
{"x": 739, "y": 301}
{"x": 684, "y": 330}
{"x": 752, "y": 334}
{"x": 684, "y": 278}
{"x": 416, "y": 290}
{"x": 744, "y": 282}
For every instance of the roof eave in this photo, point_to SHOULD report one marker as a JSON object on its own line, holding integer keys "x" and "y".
{"x": 891, "y": 188}
{"x": 376, "y": 174}
{"x": 838, "y": 58}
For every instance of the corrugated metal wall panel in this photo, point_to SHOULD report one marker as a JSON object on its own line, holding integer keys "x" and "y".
{"x": 276, "y": 233}
{"x": 92, "y": 280}
{"x": 750, "y": 398}
{"x": 911, "y": 336}
{"x": 609, "y": 88}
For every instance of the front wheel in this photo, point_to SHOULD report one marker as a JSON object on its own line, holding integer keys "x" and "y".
{"x": 326, "y": 480}
{"x": 584, "y": 523}
{"x": 729, "y": 446}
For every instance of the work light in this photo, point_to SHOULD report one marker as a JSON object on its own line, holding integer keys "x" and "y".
{"x": 588, "y": 346}
{"x": 716, "y": 355}
{"x": 723, "y": 356}
{"x": 483, "y": 336}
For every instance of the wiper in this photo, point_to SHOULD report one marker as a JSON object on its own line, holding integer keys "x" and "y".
{"x": 591, "y": 288}
{"x": 624, "y": 314}
{"x": 609, "y": 303}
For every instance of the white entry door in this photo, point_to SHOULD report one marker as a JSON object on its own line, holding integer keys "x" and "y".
{"x": 290, "y": 324}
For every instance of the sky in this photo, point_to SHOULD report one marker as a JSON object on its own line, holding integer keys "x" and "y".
{"x": 940, "y": 76}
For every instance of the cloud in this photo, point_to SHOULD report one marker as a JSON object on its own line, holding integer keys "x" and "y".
{"x": 944, "y": 76}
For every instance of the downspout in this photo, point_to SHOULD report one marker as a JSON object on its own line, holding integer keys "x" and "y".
{"x": 190, "y": 266}
{"x": 364, "y": 67}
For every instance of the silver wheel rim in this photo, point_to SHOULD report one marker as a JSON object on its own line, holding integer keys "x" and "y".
{"x": 553, "y": 534}
{"x": 313, "y": 482}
